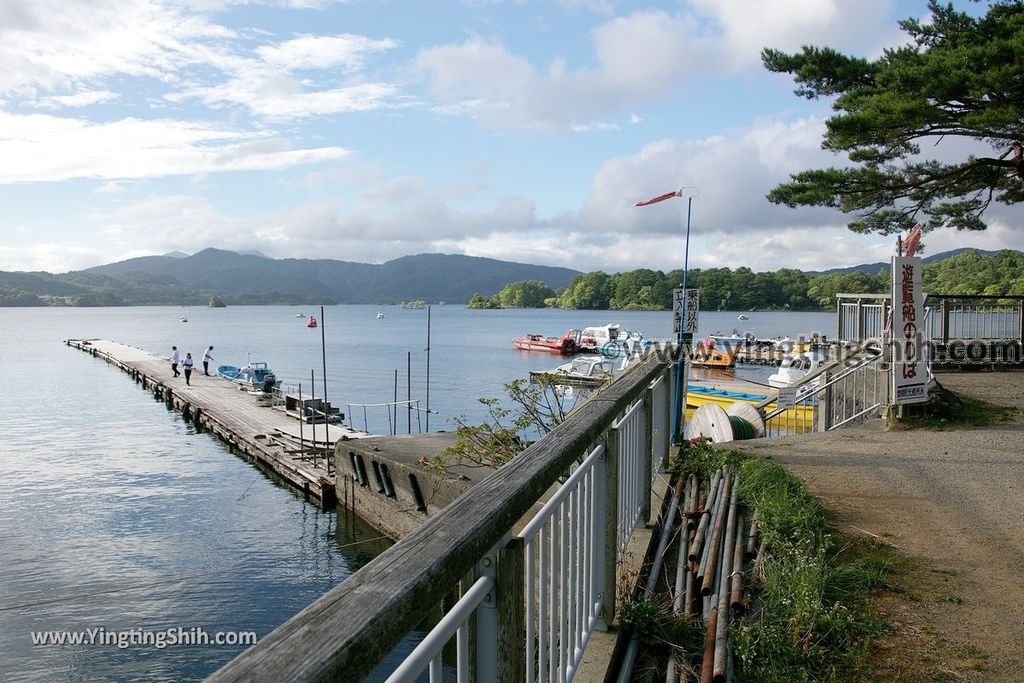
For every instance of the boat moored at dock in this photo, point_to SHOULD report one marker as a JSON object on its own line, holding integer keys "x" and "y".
{"x": 252, "y": 376}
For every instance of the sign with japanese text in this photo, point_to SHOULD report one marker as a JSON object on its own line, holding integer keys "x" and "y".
{"x": 685, "y": 310}
{"x": 910, "y": 374}
{"x": 787, "y": 397}
{"x": 691, "y": 310}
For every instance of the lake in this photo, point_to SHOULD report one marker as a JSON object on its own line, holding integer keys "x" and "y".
{"x": 116, "y": 515}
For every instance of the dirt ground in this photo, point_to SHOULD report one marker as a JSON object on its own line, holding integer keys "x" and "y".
{"x": 952, "y": 502}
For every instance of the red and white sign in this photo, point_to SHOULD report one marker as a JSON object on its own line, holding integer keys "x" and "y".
{"x": 910, "y": 372}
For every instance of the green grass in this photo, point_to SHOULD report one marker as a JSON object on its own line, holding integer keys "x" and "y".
{"x": 811, "y": 621}
{"x": 972, "y": 413}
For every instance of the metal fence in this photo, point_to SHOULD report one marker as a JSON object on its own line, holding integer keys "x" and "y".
{"x": 841, "y": 392}
{"x": 952, "y": 317}
{"x": 530, "y": 600}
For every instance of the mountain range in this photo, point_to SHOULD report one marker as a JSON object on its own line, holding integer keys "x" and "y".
{"x": 255, "y": 279}
{"x": 251, "y": 278}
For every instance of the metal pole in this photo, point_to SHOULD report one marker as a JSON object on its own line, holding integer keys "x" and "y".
{"x": 312, "y": 406}
{"x": 428, "y": 368}
{"x": 408, "y": 391}
{"x": 682, "y": 367}
{"x": 395, "y": 406}
{"x": 323, "y": 355}
{"x": 302, "y": 418}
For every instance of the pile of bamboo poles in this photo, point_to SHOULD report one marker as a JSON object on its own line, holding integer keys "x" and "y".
{"x": 716, "y": 543}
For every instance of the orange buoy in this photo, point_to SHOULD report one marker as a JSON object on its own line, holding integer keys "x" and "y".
{"x": 312, "y": 321}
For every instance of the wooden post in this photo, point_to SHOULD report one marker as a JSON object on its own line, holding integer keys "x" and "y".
{"x": 512, "y": 598}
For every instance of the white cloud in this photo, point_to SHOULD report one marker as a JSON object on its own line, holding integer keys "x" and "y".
{"x": 43, "y": 148}
{"x": 83, "y": 98}
{"x": 51, "y": 45}
{"x": 320, "y": 52}
{"x": 639, "y": 57}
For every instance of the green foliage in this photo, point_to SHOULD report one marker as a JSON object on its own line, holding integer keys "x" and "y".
{"x": 589, "y": 291}
{"x": 537, "y": 410}
{"x": 478, "y": 300}
{"x": 974, "y": 273}
{"x": 525, "y": 294}
{"x": 811, "y": 622}
{"x": 12, "y": 296}
{"x": 971, "y": 412}
{"x": 959, "y": 77}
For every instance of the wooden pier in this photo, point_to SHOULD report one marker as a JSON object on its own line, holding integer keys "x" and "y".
{"x": 242, "y": 418}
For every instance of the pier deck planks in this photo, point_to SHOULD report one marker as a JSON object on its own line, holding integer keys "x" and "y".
{"x": 235, "y": 415}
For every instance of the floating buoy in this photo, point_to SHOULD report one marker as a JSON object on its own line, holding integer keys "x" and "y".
{"x": 740, "y": 423}
{"x": 312, "y": 321}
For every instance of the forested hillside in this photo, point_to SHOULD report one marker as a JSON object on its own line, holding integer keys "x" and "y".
{"x": 724, "y": 289}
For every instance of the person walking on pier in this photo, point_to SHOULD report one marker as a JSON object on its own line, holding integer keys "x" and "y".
{"x": 174, "y": 360}
{"x": 207, "y": 357}
{"x": 187, "y": 367}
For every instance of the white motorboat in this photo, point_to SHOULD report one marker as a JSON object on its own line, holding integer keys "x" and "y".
{"x": 380, "y": 316}
{"x": 794, "y": 366}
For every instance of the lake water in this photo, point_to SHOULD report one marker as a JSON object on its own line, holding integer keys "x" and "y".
{"x": 116, "y": 515}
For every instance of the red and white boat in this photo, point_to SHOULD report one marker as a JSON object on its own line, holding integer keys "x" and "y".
{"x": 566, "y": 345}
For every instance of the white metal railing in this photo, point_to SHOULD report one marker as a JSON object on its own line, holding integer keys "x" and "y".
{"x": 836, "y": 395}
{"x": 454, "y": 623}
{"x": 565, "y": 563}
{"x": 954, "y": 317}
{"x": 633, "y": 461}
{"x": 549, "y": 586}
{"x": 659, "y": 433}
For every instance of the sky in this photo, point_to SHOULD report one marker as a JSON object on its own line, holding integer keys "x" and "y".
{"x": 366, "y": 130}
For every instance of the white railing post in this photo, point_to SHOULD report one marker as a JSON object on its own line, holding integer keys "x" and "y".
{"x": 825, "y": 407}
{"x": 647, "y": 442}
{"x": 606, "y": 522}
{"x": 486, "y": 651}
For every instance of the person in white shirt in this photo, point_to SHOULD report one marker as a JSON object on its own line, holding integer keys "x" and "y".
{"x": 187, "y": 366}
{"x": 207, "y": 357}
{"x": 174, "y": 360}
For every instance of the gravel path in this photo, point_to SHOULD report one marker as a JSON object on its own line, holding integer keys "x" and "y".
{"x": 955, "y": 501}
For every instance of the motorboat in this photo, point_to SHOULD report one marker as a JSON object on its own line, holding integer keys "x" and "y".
{"x": 184, "y": 319}
{"x": 254, "y": 375}
{"x": 380, "y": 316}
{"x": 708, "y": 354}
{"x": 794, "y": 366}
{"x": 566, "y": 345}
{"x": 300, "y": 315}
{"x": 582, "y": 370}
{"x": 596, "y": 338}
{"x": 743, "y": 316}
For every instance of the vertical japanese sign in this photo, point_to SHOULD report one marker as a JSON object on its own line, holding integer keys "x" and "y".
{"x": 910, "y": 376}
{"x": 691, "y": 311}
{"x": 685, "y": 310}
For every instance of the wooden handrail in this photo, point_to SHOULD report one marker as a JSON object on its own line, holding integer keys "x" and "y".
{"x": 346, "y": 632}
